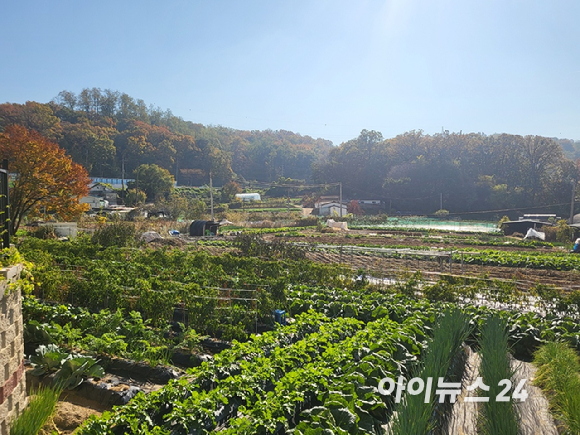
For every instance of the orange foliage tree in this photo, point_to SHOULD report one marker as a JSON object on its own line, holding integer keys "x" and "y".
{"x": 45, "y": 178}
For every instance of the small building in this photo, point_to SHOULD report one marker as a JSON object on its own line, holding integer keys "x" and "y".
{"x": 332, "y": 209}
{"x": 203, "y": 228}
{"x": 325, "y": 200}
{"x": 94, "y": 202}
{"x": 541, "y": 217}
{"x": 104, "y": 191}
{"x": 371, "y": 205}
{"x": 247, "y": 197}
{"x": 523, "y": 225}
{"x": 117, "y": 183}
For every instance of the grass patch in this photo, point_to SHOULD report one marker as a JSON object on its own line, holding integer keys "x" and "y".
{"x": 496, "y": 418}
{"x": 40, "y": 408}
{"x": 559, "y": 377}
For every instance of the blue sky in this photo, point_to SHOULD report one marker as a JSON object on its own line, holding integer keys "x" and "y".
{"x": 324, "y": 68}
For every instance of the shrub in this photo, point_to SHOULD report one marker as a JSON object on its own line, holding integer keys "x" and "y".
{"x": 442, "y": 213}
{"x": 115, "y": 234}
{"x": 44, "y": 232}
{"x": 564, "y": 232}
{"x": 503, "y": 220}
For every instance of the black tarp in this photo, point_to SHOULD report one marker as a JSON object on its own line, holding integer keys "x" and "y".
{"x": 523, "y": 226}
{"x": 203, "y": 228}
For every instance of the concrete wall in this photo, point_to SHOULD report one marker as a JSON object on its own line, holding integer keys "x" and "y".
{"x": 13, "y": 395}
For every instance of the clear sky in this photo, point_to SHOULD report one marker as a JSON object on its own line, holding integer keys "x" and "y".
{"x": 324, "y": 68}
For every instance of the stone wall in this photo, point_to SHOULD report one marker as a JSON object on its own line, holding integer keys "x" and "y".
{"x": 12, "y": 380}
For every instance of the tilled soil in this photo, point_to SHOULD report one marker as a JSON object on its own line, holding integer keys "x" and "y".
{"x": 393, "y": 267}
{"x": 391, "y": 238}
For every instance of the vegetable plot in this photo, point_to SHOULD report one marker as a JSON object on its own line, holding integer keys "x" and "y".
{"x": 270, "y": 392}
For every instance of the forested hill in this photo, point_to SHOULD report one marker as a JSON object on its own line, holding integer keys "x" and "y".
{"x": 415, "y": 172}
{"x": 104, "y": 129}
{"x": 465, "y": 172}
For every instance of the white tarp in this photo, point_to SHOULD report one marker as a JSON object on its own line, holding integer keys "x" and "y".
{"x": 337, "y": 226}
{"x": 533, "y": 234}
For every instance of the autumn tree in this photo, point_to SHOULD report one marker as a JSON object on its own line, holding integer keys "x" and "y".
{"x": 229, "y": 191}
{"x": 32, "y": 115}
{"x": 46, "y": 179}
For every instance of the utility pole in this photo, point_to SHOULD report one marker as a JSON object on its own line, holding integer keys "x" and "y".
{"x": 572, "y": 202}
{"x": 340, "y": 197}
{"x": 123, "y": 172}
{"x": 441, "y": 201}
{"x": 176, "y": 171}
{"x": 211, "y": 195}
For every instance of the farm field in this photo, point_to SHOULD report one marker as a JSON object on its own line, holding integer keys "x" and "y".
{"x": 204, "y": 310}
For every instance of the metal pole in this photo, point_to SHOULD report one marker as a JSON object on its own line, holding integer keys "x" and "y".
{"x": 211, "y": 195}
{"x": 572, "y": 202}
{"x": 441, "y": 201}
{"x": 123, "y": 173}
{"x": 340, "y": 198}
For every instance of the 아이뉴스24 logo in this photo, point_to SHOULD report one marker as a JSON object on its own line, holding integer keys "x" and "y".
{"x": 450, "y": 389}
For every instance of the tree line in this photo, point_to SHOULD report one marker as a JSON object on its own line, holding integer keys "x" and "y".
{"x": 419, "y": 173}
{"x": 112, "y": 134}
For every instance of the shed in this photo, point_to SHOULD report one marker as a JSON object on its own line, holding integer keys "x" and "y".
{"x": 522, "y": 226}
{"x": 332, "y": 209}
{"x": 203, "y": 228}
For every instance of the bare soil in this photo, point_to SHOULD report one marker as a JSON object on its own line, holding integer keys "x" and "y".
{"x": 71, "y": 411}
{"x": 392, "y": 267}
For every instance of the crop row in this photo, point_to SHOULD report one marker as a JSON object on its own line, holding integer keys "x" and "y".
{"x": 528, "y": 330}
{"x": 129, "y": 336}
{"x": 222, "y": 296}
{"x": 532, "y": 260}
{"x": 214, "y": 392}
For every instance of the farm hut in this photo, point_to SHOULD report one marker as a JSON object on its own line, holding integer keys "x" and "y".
{"x": 332, "y": 209}
{"x": 522, "y": 226}
{"x": 203, "y": 228}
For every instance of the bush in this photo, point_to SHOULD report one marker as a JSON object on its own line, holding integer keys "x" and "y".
{"x": 503, "y": 220}
{"x": 44, "y": 232}
{"x": 564, "y": 232}
{"x": 253, "y": 245}
{"x": 308, "y": 221}
{"x": 551, "y": 233}
{"x": 115, "y": 234}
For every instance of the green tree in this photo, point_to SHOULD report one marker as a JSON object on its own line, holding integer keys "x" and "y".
{"x": 135, "y": 197}
{"x": 155, "y": 181}
{"x": 183, "y": 207}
